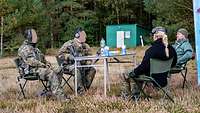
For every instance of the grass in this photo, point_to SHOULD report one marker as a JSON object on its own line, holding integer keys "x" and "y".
{"x": 186, "y": 100}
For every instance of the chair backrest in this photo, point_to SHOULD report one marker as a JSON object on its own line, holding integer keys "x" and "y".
{"x": 62, "y": 65}
{"x": 17, "y": 62}
{"x": 160, "y": 66}
{"x": 18, "y": 66}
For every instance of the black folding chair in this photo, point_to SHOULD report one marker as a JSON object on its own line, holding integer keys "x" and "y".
{"x": 156, "y": 67}
{"x": 27, "y": 77}
{"x": 66, "y": 81}
{"x": 180, "y": 69}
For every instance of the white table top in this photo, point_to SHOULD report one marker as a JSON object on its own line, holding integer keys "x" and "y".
{"x": 102, "y": 57}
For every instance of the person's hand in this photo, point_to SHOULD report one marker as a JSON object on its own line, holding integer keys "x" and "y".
{"x": 165, "y": 40}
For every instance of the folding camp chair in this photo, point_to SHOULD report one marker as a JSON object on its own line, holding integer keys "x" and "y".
{"x": 66, "y": 81}
{"x": 180, "y": 69}
{"x": 27, "y": 77}
{"x": 156, "y": 67}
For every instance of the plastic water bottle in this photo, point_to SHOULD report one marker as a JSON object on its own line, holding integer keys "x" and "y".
{"x": 102, "y": 45}
{"x": 123, "y": 50}
{"x": 102, "y": 51}
{"x": 106, "y": 51}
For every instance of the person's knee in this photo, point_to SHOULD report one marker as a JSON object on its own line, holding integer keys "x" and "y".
{"x": 93, "y": 70}
{"x": 90, "y": 72}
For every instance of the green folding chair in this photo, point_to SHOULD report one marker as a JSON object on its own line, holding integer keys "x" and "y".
{"x": 27, "y": 77}
{"x": 156, "y": 67}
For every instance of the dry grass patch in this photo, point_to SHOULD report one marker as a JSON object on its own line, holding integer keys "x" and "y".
{"x": 186, "y": 101}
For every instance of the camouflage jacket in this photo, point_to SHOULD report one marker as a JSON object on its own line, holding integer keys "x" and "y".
{"x": 75, "y": 49}
{"x": 31, "y": 57}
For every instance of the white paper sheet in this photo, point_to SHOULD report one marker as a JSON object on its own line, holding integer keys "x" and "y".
{"x": 120, "y": 39}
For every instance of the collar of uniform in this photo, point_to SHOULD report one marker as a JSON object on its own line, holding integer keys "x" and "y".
{"x": 77, "y": 42}
{"x": 29, "y": 44}
{"x": 181, "y": 41}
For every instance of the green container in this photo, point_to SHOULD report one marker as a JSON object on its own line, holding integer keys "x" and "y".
{"x": 128, "y": 35}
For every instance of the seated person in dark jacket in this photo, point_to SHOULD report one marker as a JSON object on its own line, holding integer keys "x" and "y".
{"x": 160, "y": 49}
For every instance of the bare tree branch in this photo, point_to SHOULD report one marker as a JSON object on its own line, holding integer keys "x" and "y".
{"x": 1, "y": 36}
{"x": 183, "y": 6}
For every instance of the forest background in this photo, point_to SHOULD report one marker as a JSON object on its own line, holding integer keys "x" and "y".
{"x": 55, "y": 20}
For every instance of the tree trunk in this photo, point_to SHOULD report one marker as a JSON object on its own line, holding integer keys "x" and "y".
{"x": 51, "y": 31}
{"x": 1, "y": 36}
{"x": 117, "y": 13}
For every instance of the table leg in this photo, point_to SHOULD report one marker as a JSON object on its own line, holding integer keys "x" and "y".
{"x": 108, "y": 76}
{"x": 76, "y": 93}
{"x": 105, "y": 77}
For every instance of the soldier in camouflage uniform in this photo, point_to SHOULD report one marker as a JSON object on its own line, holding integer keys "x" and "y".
{"x": 76, "y": 48}
{"x": 34, "y": 62}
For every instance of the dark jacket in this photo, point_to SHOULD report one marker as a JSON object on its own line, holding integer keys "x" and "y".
{"x": 156, "y": 51}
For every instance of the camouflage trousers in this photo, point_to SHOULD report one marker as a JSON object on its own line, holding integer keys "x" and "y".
{"x": 85, "y": 77}
{"x": 129, "y": 88}
{"x": 54, "y": 80}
